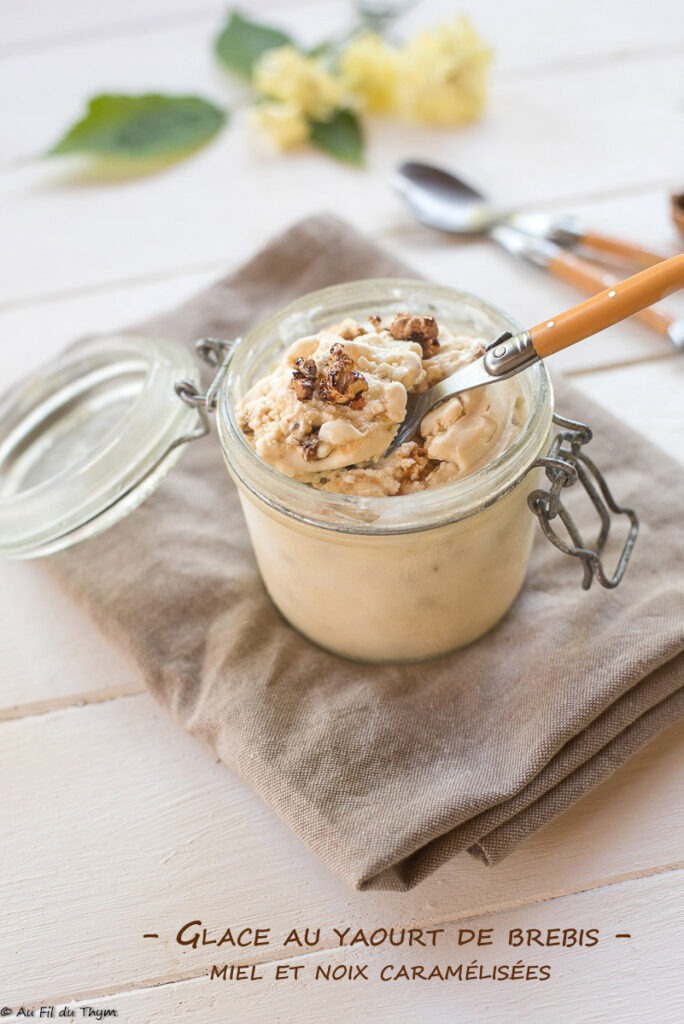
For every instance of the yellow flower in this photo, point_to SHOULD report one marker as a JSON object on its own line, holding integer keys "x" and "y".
{"x": 282, "y": 123}
{"x": 287, "y": 75}
{"x": 443, "y": 78}
{"x": 369, "y": 69}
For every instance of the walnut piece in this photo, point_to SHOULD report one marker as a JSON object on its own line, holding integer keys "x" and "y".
{"x": 341, "y": 384}
{"x": 421, "y": 329}
{"x": 303, "y": 380}
{"x": 376, "y": 321}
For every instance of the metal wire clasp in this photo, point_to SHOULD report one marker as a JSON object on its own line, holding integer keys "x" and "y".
{"x": 565, "y": 465}
{"x": 216, "y": 353}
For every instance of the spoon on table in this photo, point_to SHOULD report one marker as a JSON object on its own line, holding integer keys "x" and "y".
{"x": 510, "y": 354}
{"x": 440, "y": 200}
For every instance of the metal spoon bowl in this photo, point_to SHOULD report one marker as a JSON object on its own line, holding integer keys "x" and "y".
{"x": 440, "y": 200}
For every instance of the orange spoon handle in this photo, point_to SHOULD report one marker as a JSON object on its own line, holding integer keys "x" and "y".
{"x": 621, "y": 300}
{"x": 589, "y": 277}
{"x": 621, "y": 249}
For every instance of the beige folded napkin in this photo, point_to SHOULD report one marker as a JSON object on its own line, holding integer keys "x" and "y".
{"x": 388, "y": 771}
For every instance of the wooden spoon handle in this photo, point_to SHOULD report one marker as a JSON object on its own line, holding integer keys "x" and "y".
{"x": 621, "y": 249}
{"x": 622, "y": 299}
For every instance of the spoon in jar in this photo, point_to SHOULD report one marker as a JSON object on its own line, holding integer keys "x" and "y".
{"x": 510, "y": 354}
{"x": 440, "y": 200}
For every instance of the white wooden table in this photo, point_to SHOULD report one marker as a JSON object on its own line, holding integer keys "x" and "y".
{"x": 114, "y": 822}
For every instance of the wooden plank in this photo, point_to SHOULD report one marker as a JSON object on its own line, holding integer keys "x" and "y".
{"x": 617, "y": 31}
{"x": 52, "y": 655}
{"x": 548, "y": 118}
{"x": 631, "y": 979}
{"x": 68, "y": 233}
{"x": 137, "y": 240}
{"x": 38, "y": 24}
{"x": 31, "y": 335}
{"x": 648, "y": 397}
{"x": 32, "y": 332}
{"x": 628, "y": 980}
{"x": 141, "y": 830}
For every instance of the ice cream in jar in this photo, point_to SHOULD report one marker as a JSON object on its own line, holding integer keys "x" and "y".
{"x": 382, "y": 557}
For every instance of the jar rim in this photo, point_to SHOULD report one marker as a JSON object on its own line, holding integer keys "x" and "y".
{"x": 384, "y": 514}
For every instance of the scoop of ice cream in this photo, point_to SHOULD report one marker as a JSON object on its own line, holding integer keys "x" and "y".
{"x": 329, "y": 409}
{"x": 465, "y": 430}
{"x": 335, "y": 399}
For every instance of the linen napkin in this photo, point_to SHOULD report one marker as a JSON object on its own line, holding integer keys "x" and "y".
{"x": 387, "y": 771}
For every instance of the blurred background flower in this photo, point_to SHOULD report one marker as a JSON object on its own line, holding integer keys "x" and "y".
{"x": 444, "y": 75}
{"x": 439, "y": 77}
{"x": 300, "y": 81}
{"x": 370, "y": 69}
{"x": 283, "y": 123}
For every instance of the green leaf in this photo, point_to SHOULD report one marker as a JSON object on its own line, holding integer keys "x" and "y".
{"x": 148, "y": 127}
{"x": 340, "y": 136}
{"x": 325, "y": 50}
{"x": 242, "y": 42}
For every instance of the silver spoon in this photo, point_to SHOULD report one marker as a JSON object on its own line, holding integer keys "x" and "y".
{"x": 440, "y": 200}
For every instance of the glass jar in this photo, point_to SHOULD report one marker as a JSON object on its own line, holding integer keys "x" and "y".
{"x": 89, "y": 436}
{"x": 394, "y": 578}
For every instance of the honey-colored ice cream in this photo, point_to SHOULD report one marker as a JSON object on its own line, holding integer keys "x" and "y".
{"x": 329, "y": 409}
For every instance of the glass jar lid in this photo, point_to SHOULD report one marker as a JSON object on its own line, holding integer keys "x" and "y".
{"x": 87, "y": 438}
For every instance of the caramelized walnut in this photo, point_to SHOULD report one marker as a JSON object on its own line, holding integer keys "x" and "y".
{"x": 341, "y": 384}
{"x": 303, "y": 380}
{"x": 421, "y": 329}
{"x": 376, "y": 321}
